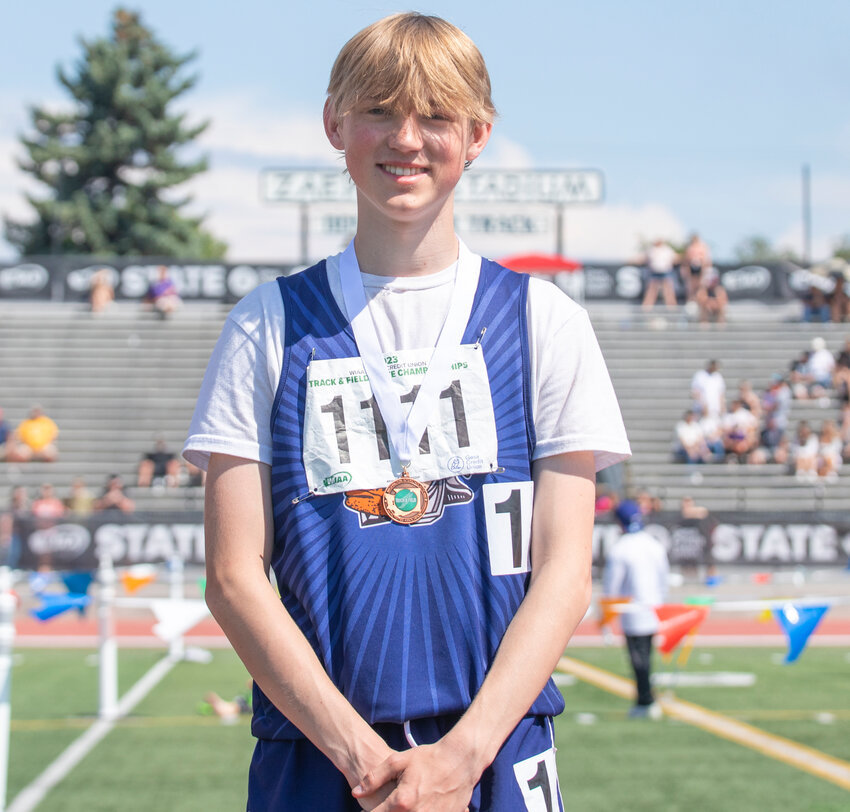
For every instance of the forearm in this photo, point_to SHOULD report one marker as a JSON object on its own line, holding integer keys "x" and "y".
{"x": 239, "y": 534}
{"x": 284, "y": 665}
{"x": 556, "y": 601}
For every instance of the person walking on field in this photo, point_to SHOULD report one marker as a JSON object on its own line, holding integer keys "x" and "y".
{"x": 637, "y": 569}
{"x": 399, "y": 434}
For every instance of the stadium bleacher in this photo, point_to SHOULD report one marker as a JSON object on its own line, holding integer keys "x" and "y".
{"x": 114, "y": 381}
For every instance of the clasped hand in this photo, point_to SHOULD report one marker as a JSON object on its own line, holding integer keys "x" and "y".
{"x": 429, "y": 778}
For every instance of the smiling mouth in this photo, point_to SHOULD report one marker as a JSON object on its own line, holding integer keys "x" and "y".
{"x": 403, "y": 171}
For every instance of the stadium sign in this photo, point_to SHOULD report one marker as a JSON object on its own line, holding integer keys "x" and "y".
{"x": 559, "y": 186}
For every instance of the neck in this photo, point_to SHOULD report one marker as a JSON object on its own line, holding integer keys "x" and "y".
{"x": 397, "y": 248}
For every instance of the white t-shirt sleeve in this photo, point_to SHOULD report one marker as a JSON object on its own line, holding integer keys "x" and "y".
{"x": 233, "y": 412}
{"x": 574, "y": 405}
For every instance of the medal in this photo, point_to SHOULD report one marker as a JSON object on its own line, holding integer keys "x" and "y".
{"x": 405, "y": 499}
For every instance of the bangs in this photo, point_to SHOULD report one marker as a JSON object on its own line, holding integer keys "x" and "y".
{"x": 410, "y": 62}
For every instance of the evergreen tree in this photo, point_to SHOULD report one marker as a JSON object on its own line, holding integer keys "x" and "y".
{"x": 111, "y": 164}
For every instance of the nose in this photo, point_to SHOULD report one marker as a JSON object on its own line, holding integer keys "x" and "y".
{"x": 406, "y": 133}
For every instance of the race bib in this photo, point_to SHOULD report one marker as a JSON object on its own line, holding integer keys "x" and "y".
{"x": 345, "y": 440}
{"x": 538, "y": 781}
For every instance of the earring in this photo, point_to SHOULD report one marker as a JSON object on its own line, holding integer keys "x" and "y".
{"x": 467, "y": 164}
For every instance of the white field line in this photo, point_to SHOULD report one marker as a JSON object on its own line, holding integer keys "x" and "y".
{"x": 797, "y": 755}
{"x": 32, "y": 795}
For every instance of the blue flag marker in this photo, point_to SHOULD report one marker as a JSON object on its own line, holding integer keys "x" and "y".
{"x": 78, "y": 583}
{"x": 53, "y": 605}
{"x": 798, "y": 623}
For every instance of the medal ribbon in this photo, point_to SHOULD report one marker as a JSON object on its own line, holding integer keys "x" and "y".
{"x": 406, "y": 424}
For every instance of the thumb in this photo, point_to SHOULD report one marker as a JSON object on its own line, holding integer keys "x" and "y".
{"x": 385, "y": 772}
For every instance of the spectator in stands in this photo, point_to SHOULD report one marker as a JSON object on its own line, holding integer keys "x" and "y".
{"x": 34, "y": 439}
{"x": 101, "y": 290}
{"x": 815, "y": 304}
{"x": 773, "y": 444}
{"x": 660, "y": 261}
{"x": 47, "y": 507}
{"x": 839, "y": 300}
{"x": 841, "y": 380}
{"x": 10, "y": 542}
{"x": 844, "y": 431}
{"x": 159, "y": 467}
{"x": 5, "y": 435}
{"x": 114, "y": 498}
{"x": 741, "y": 432}
{"x": 820, "y": 365}
{"x": 776, "y": 401}
{"x": 748, "y": 396}
{"x": 708, "y": 390}
{"x": 804, "y": 453}
{"x": 712, "y": 432}
{"x": 829, "y": 451}
{"x": 80, "y": 500}
{"x": 162, "y": 295}
{"x": 711, "y": 298}
{"x": 695, "y": 262}
{"x": 690, "y": 445}
{"x": 649, "y": 504}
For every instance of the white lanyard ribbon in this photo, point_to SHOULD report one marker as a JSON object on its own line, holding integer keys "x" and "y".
{"x": 405, "y": 426}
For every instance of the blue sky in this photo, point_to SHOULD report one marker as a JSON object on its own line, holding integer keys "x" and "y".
{"x": 700, "y": 115}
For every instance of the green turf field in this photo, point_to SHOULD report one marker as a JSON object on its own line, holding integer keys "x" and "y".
{"x": 168, "y": 756}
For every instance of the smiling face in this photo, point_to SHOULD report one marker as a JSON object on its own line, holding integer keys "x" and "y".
{"x": 405, "y": 165}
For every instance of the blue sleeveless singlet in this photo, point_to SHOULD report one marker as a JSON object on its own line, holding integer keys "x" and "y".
{"x": 406, "y": 619}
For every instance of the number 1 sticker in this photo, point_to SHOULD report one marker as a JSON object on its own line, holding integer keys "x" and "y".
{"x": 538, "y": 781}
{"x": 507, "y": 511}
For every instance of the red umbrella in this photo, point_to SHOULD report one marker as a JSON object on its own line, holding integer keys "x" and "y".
{"x": 540, "y": 263}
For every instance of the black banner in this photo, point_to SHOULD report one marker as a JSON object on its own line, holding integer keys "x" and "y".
{"x": 733, "y": 538}
{"x": 67, "y": 278}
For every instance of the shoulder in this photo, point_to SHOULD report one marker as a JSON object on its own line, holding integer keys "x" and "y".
{"x": 549, "y": 308}
{"x": 259, "y": 309}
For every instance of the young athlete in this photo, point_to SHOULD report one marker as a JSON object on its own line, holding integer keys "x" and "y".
{"x": 407, "y": 435}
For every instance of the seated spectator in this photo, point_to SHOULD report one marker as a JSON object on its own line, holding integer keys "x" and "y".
{"x": 648, "y": 503}
{"x": 10, "y": 542}
{"x": 773, "y": 444}
{"x": 712, "y": 432}
{"x": 159, "y": 467}
{"x": 799, "y": 377}
{"x": 776, "y": 401}
{"x": 80, "y": 501}
{"x": 820, "y": 365}
{"x": 741, "y": 432}
{"x": 829, "y": 451}
{"x": 804, "y": 453}
{"x": 114, "y": 498}
{"x": 841, "y": 380}
{"x": 695, "y": 262}
{"x": 47, "y": 507}
{"x": 747, "y": 395}
{"x": 839, "y": 300}
{"x": 844, "y": 431}
{"x": 690, "y": 445}
{"x": 5, "y": 435}
{"x": 101, "y": 290}
{"x": 190, "y": 475}
{"x": 708, "y": 390}
{"x": 815, "y": 304}
{"x": 162, "y": 295}
{"x": 34, "y": 439}
{"x": 711, "y": 298}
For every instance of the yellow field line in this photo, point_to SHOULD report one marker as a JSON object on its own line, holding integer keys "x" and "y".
{"x": 797, "y": 755}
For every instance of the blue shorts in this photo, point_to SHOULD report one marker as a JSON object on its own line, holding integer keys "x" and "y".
{"x": 292, "y": 775}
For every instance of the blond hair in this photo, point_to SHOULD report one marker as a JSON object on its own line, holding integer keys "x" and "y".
{"x": 412, "y": 62}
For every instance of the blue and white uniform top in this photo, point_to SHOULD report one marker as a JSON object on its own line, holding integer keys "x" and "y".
{"x": 405, "y": 619}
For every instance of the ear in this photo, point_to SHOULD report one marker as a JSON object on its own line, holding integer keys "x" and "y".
{"x": 333, "y": 126}
{"x": 478, "y": 138}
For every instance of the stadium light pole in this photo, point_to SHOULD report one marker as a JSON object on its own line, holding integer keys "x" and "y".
{"x": 807, "y": 214}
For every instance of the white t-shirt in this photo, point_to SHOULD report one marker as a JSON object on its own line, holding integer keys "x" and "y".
{"x": 660, "y": 258}
{"x": 820, "y": 365}
{"x": 574, "y": 405}
{"x": 637, "y": 568}
{"x": 709, "y": 389}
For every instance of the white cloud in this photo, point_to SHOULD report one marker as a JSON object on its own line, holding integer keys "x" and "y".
{"x": 242, "y": 125}
{"x": 502, "y": 153}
